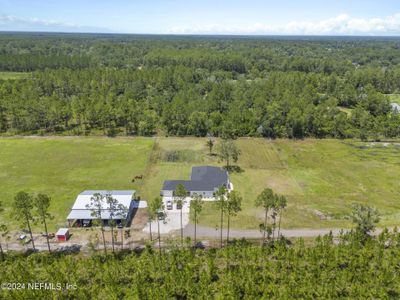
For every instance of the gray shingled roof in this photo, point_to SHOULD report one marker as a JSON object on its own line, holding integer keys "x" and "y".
{"x": 204, "y": 178}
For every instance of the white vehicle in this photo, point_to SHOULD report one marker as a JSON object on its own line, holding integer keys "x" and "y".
{"x": 169, "y": 205}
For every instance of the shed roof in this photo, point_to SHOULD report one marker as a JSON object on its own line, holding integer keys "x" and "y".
{"x": 62, "y": 231}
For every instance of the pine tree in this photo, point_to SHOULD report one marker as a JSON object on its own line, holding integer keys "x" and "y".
{"x": 233, "y": 206}
{"x": 22, "y": 207}
{"x": 180, "y": 195}
{"x": 196, "y": 205}
{"x": 221, "y": 203}
{"x": 265, "y": 200}
{"x": 42, "y": 205}
{"x": 96, "y": 206}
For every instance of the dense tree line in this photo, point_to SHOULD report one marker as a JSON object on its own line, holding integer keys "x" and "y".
{"x": 229, "y": 87}
{"x": 348, "y": 267}
{"x": 28, "y": 62}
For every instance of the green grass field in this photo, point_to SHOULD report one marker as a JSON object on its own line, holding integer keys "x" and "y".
{"x": 346, "y": 110}
{"x": 395, "y": 98}
{"x": 13, "y": 75}
{"x": 315, "y": 175}
{"x": 324, "y": 176}
{"x": 64, "y": 167}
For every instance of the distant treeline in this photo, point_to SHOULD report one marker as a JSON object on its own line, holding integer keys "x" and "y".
{"x": 229, "y": 87}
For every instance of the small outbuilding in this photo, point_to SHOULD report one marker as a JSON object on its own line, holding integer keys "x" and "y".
{"x": 62, "y": 234}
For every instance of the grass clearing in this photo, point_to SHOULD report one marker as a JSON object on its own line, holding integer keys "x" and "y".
{"x": 266, "y": 156}
{"x": 64, "y": 167}
{"x": 315, "y": 175}
{"x": 346, "y": 110}
{"x": 13, "y": 75}
{"x": 394, "y": 98}
{"x": 160, "y": 169}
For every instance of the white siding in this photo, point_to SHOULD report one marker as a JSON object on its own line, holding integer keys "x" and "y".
{"x": 204, "y": 194}
{"x": 167, "y": 193}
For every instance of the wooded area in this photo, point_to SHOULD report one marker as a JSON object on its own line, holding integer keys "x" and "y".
{"x": 347, "y": 267}
{"x": 223, "y": 86}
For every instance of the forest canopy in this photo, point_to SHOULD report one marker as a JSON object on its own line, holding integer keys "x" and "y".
{"x": 330, "y": 269}
{"x": 223, "y": 86}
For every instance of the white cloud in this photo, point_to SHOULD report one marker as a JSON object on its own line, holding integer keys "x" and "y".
{"x": 340, "y": 25}
{"x": 14, "y": 23}
{"x": 8, "y": 19}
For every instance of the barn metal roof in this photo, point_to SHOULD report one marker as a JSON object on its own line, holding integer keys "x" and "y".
{"x": 82, "y": 208}
{"x": 124, "y": 197}
{"x": 86, "y": 214}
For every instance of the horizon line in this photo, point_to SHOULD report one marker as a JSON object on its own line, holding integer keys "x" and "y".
{"x": 198, "y": 34}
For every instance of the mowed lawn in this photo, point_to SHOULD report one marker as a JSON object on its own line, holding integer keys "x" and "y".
{"x": 317, "y": 177}
{"x": 64, "y": 167}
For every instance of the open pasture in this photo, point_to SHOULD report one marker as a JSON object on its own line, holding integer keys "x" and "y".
{"x": 320, "y": 178}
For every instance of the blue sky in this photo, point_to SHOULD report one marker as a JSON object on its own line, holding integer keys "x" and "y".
{"x": 343, "y": 17}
